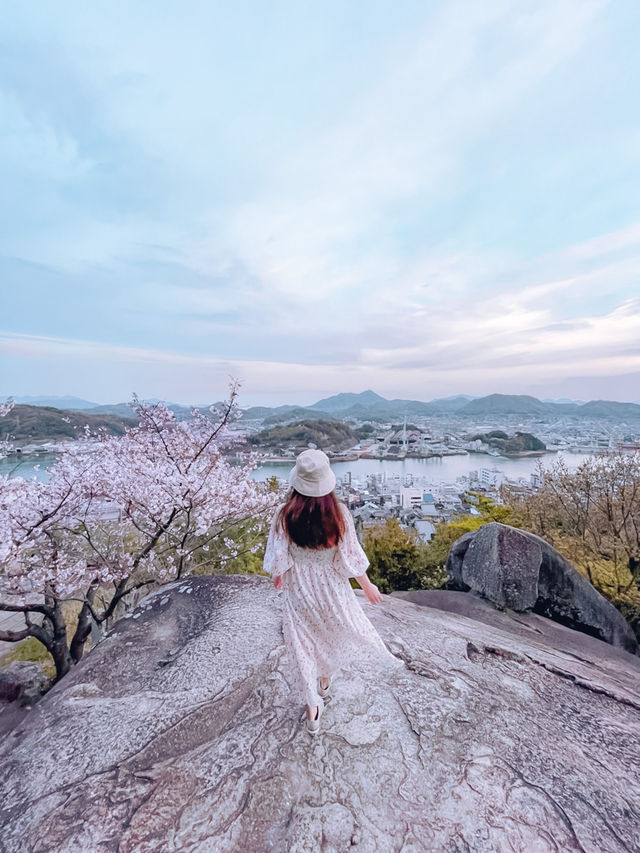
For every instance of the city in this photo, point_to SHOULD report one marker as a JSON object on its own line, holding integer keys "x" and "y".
{"x": 421, "y": 501}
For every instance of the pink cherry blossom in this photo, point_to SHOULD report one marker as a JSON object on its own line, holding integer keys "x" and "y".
{"x": 122, "y": 512}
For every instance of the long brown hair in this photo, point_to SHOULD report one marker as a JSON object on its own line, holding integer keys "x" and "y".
{"x": 312, "y": 522}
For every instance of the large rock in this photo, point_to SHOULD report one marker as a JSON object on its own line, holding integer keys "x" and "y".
{"x": 23, "y": 681}
{"x": 518, "y": 570}
{"x": 503, "y": 565}
{"x": 180, "y": 732}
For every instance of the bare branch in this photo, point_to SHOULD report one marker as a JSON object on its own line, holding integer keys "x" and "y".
{"x": 24, "y": 608}
{"x": 15, "y": 636}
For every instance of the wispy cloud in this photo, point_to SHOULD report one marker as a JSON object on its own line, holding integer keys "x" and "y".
{"x": 435, "y": 199}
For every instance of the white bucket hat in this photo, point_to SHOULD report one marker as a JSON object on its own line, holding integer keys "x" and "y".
{"x": 312, "y": 475}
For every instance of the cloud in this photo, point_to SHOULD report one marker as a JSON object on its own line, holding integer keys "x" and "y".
{"x": 312, "y": 208}
{"x": 303, "y": 234}
{"x": 625, "y": 238}
{"x": 486, "y": 348}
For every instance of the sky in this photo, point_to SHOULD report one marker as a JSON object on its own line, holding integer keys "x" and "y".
{"x": 421, "y": 198}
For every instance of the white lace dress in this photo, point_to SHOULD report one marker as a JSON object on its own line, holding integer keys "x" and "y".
{"x": 323, "y": 622}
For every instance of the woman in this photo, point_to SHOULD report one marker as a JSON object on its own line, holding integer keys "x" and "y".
{"x": 311, "y": 552}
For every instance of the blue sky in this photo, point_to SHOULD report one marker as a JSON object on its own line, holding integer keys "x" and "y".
{"x": 420, "y": 198}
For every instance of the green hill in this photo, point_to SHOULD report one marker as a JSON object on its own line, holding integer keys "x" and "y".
{"x": 24, "y": 424}
{"x": 327, "y": 435}
{"x": 521, "y": 442}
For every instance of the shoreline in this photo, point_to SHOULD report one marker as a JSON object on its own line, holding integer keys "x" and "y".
{"x": 275, "y": 460}
{"x": 515, "y": 455}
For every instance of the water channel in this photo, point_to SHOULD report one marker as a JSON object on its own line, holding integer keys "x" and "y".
{"x": 436, "y": 470}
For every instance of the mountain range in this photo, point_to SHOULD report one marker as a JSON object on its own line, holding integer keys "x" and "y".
{"x": 368, "y": 405}
{"x": 371, "y": 406}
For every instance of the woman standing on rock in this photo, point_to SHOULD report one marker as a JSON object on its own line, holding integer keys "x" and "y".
{"x": 311, "y": 552}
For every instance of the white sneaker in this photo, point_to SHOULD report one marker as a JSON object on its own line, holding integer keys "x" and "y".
{"x": 324, "y": 691}
{"x": 314, "y": 725}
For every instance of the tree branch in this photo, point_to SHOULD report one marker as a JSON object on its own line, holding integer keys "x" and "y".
{"x": 24, "y": 608}
{"x": 120, "y": 594}
{"x": 15, "y": 636}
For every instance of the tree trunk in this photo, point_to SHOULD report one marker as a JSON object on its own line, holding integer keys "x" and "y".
{"x": 83, "y": 628}
{"x": 61, "y": 656}
{"x": 58, "y": 645}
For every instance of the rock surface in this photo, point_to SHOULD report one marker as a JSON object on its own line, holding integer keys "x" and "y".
{"x": 539, "y": 630}
{"x": 503, "y": 565}
{"x": 179, "y": 732}
{"x": 23, "y": 681}
{"x": 519, "y": 570}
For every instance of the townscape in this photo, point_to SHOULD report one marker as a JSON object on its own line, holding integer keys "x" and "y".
{"x": 420, "y": 501}
{"x": 365, "y": 426}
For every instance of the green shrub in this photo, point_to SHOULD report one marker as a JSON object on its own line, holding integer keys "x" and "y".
{"x": 30, "y": 650}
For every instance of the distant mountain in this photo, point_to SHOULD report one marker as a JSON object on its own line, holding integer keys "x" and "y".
{"x": 272, "y": 411}
{"x": 365, "y": 406}
{"x": 504, "y": 404}
{"x": 257, "y": 412}
{"x": 452, "y": 404}
{"x": 26, "y": 424}
{"x": 369, "y": 406}
{"x": 297, "y": 413}
{"x": 343, "y": 402}
{"x": 610, "y": 409}
{"x": 123, "y": 410}
{"x": 514, "y": 404}
{"x": 76, "y": 403}
{"x": 413, "y": 407}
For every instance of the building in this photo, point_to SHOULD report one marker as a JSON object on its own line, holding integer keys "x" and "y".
{"x": 425, "y": 529}
{"x": 490, "y": 477}
{"x": 410, "y": 497}
{"x": 536, "y": 479}
{"x": 428, "y": 505}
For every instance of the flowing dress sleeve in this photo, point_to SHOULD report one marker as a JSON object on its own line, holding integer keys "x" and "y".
{"x": 350, "y": 560}
{"x": 277, "y": 559}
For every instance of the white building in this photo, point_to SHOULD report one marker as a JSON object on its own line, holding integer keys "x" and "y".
{"x": 410, "y": 497}
{"x": 490, "y": 477}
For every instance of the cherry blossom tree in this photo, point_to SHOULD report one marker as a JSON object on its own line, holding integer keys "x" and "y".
{"x": 5, "y": 444}
{"x": 119, "y": 513}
